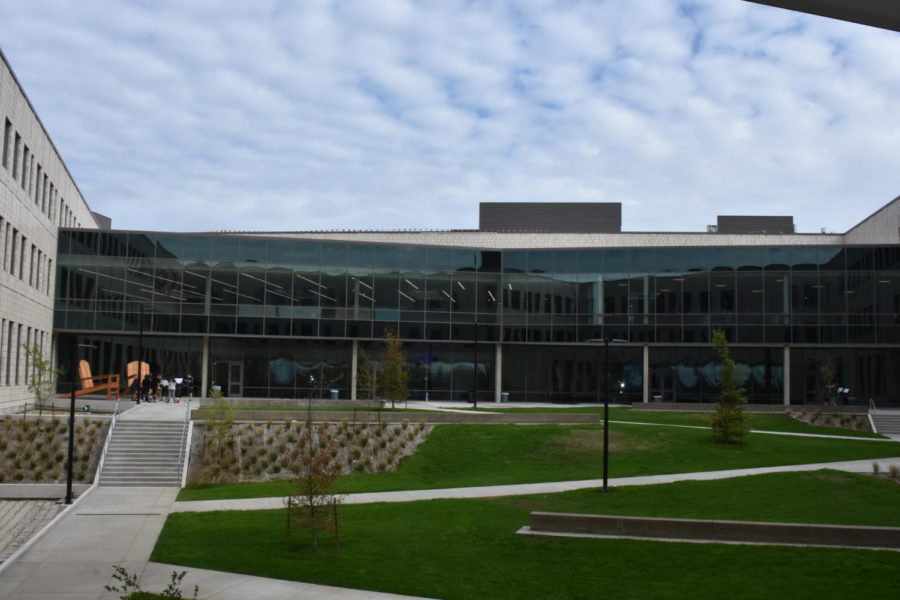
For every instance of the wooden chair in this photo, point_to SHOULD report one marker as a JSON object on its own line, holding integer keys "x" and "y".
{"x": 132, "y": 369}
{"x": 91, "y": 384}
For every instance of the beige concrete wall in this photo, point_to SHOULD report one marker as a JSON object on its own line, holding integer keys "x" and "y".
{"x": 36, "y": 198}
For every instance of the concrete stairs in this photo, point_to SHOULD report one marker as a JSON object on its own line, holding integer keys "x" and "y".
{"x": 886, "y": 422}
{"x": 144, "y": 453}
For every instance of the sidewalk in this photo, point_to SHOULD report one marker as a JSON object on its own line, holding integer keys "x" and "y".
{"x": 553, "y": 487}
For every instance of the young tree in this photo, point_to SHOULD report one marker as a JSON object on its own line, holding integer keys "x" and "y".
{"x": 392, "y": 374}
{"x": 365, "y": 376}
{"x": 43, "y": 374}
{"x": 729, "y": 423}
{"x": 312, "y": 503}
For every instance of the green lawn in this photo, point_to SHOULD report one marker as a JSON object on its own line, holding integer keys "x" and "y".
{"x": 473, "y": 455}
{"x": 468, "y": 548}
{"x": 760, "y": 421}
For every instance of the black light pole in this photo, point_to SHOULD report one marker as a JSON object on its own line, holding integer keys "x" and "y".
{"x": 606, "y": 341}
{"x": 475, "y": 369}
{"x": 75, "y": 348}
{"x": 606, "y": 414}
{"x": 140, "y": 355}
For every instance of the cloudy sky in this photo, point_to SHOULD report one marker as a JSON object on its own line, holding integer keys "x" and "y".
{"x": 189, "y": 115}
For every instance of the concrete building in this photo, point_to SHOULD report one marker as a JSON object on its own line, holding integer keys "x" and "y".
{"x": 37, "y": 196}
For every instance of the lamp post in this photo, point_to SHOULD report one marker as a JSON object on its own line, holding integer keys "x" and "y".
{"x": 75, "y": 348}
{"x": 606, "y": 341}
{"x": 475, "y": 369}
{"x": 140, "y": 355}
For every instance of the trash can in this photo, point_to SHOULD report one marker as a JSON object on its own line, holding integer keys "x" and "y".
{"x": 504, "y": 396}
{"x": 335, "y": 394}
{"x": 217, "y": 388}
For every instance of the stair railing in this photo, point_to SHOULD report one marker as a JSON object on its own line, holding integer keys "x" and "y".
{"x": 184, "y": 429}
{"x": 109, "y": 434}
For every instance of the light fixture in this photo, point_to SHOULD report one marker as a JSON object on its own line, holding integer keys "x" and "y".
{"x": 414, "y": 286}
{"x": 306, "y": 279}
{"x": 459, "y": 283}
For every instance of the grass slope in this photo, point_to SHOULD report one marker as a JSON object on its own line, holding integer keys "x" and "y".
{"x": 473, "y": 455}
{"x": 467, "y": 548}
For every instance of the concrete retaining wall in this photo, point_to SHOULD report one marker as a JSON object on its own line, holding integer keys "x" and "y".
{"x": 751, "y": 408}
{"x": 718, "y": 531}
{"x": 413, "y": 417}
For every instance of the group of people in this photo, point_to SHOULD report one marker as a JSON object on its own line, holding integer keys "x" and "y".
{"x": 153, "y": 387}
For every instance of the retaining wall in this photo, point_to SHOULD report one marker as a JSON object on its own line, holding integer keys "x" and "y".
{"x": 717, "y": 531}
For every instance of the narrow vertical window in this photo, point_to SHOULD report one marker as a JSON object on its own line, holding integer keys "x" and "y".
{"x": 37, "y": 186}
{"x": 25, "y": 157}
{"x": 50, "y": 274}
{"x": 2, "y": 350}
{"x": 47, "y": 208}
{"x": 27, "y": 365}
{"x": 7, "y": 129}
{"x": 31, "y": 266}
{"x": 12, "y": 251}
{"x": 15, "y": 156}
{"x": 22, "y": 258}
{"x": 18, "y": 353}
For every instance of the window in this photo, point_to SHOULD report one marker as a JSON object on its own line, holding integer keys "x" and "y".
{"x": 12, "y": 251}
{"x": 37, "y": 186}
{"x": 18, "y": 352}
{"x": 31, "y": 269}
{"x": 22, "y": 259}
{"x": 7, "y": 129}
{"x": 25, "y": 156}
{"x": 15, "y": 156}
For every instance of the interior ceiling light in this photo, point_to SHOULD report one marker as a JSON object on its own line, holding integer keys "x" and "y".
{"x": 414, "y": 286}
{"x": 459, "y": 283}
{"x": 410, "y": 298}
{"x": 306, "y": 279}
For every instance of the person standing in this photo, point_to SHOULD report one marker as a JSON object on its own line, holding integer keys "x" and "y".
{"x": 189, "y": 386}
{"x": 146, "y": 387}
{"x": 172, "y": 386}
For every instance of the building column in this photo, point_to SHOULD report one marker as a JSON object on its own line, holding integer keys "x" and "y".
{"x": 204, "y": 369}
{"x": 498, "y": 371}
{"x": 787, "y": 376}
{"x": 646, "y": 374}
{"x": 354, "y": 361}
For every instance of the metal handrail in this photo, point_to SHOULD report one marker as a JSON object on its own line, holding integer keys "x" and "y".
{"x": 109, "y": 434}
{"x": 184, "y": 428}
{"x": 872, "y": 407}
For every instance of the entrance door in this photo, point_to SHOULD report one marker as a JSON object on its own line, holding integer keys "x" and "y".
{"x": 235, "y": 379}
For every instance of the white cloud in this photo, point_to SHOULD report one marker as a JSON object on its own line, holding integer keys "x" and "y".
{"x": 402, "y": 114}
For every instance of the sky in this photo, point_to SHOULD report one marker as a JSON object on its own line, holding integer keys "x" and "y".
{"x": 268, "y": 115}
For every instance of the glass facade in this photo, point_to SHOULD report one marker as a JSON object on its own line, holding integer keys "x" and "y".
{"x": 298, "y": 304}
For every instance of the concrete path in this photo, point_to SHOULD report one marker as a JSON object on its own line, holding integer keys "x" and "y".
{"x": 156, "y": 411}
{"x": 855, "y": 466}
{"x": 20, "y": 520}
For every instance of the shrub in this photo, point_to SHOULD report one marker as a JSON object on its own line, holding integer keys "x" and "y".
{"x": 404, "y": 423}
{"x": 894, "y": 472}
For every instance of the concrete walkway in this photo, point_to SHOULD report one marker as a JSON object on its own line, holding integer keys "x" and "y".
{"x": 553, "y": 487}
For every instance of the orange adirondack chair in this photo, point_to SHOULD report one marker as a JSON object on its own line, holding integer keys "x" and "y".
{"x": 95, "y": 383}
{"x": 131, "y": 371}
